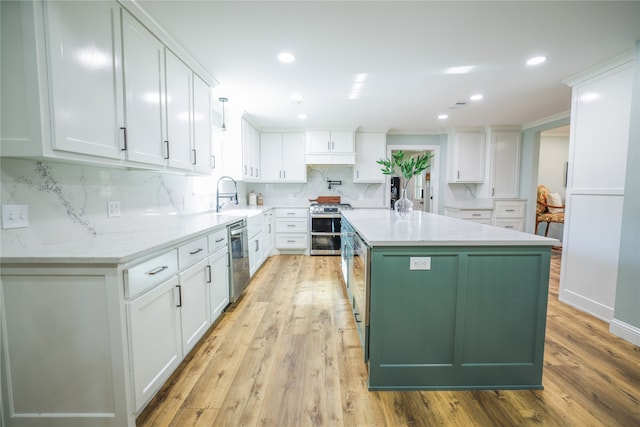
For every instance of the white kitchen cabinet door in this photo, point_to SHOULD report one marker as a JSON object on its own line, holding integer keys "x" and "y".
{"x": 282, "y": 157}
{"x": 342, "y": 142}
{"x": 293, "y": 163}
{"x": 467, "y": 157}
{"x": 370, "y": 147}
{"x": 202, "y": 127}
{"x": 194, "y": 311}
{"x": 505, "y": 164}
{"x": 143, "y": 81}
{"x": 85, "y": 80}
{"x": 154, "y": 337}
{"x": 250, "y": 151}
{"x": 255, "y": 253}
{"x": 178, "y": 101}
{"x": 268, "y": 232}
{"x": 219, "y": 283}
{"x": 271, "y": 156}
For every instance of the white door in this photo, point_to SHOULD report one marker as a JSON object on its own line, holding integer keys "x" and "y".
{"x": 271, "y": 156}
{"x": 202, "y": 126}
{"x": 219, "y": 286}
{"x": 83, "y": 41}
{"x": 178, "y": 101}
{"x": 293, "y": 161}
{"x": 194, "y": 307}
{"x": 318, "y": 142}
{"x": 154, "y": 337}
{"x": 342, "y": 141}
{"x": 143, "y": 82}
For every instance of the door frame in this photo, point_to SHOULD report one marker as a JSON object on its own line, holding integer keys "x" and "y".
{"x": 435, "y": 172}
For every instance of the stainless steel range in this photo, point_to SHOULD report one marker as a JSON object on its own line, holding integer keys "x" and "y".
{"x": 324, "y": 224}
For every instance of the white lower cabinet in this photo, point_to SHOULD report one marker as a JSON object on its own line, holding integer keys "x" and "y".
{"x": 509, "y": 214}
{"x": 292, "y": 229}
{"x": 481, "y": 216}
{"x": 154, "y": 339}
{"x": 218, "y": 283}
{"x": 192, "y": 300}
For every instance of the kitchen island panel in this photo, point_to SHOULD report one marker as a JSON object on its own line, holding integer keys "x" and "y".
{"x": 478, "y": 323}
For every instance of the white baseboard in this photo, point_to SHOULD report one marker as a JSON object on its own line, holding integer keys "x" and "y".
{"x": 625, "y": 331}
{"x": 587, "y": 305}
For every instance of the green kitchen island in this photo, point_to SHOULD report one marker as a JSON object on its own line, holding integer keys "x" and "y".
{"x": 443, "y": 303}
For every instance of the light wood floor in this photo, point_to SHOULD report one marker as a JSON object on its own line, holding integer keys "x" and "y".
{"x": 288, "y": 355}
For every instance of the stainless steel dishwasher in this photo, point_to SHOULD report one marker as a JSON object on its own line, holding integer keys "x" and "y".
{"x": 239, "y": 255}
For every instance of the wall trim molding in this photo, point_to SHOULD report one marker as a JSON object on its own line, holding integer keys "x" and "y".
{"x": 625, "y": 331}
{"x": 586, "y": 305}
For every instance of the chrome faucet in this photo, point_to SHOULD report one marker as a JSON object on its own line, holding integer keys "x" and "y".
{"x": 231, "y": 196}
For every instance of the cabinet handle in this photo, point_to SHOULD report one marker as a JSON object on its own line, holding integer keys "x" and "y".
{"x": 196, "y": 251}
{"x": 328, "y": 145}
{"x": 179, "y": 295}
{"x": 284, "y": 174}
{"x": 291, "y": 213}
{"x": 157, "y": 270}
{"x": 219, "y": 240}
{"x": 356, "y": 315}
{"x": 245, "y": 169}
{"x": 166, "y": 150}
{"x": 357, "y": 173}
{"x": 475, "y": 214}
{"x": 124, "y": 132}
{"x": 291, "y": 241}
{"x": 269, "y": 228}
{"x": 209, "y": 278}
{"x": 280, "y": 174}
{"x": 510, "y": 210}
{"x": 194, "y": 161}
{"x": 493, "y": 192}
{"x": 257, "y": 172}
{"x": 257, "y": 246}
{"x": 508, "y": 226}
{"x": 291, "y": 225}
{"x": 213, "y": 162}
{"x": 251, "y": 169}
{"x": 458, "y": 174}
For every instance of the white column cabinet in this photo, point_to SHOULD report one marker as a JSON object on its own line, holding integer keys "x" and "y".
{"x": 466, "y": 156}
{"x": 282, "y": 157}
{"x": 250, "y": 151}
{"x": 202, "y": 150}
{"x": 370, "y": 147}
{"x": 143, "y": 64}
{"x": 505, "y": 164}
{"x": 83, "y": 37}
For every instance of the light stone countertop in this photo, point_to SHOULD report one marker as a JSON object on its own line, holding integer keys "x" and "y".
{"x": 384, "y": 228}
{"x": 122, "y": 247}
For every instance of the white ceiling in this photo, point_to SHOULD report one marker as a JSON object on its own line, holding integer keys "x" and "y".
{"x": 404, "y": 47}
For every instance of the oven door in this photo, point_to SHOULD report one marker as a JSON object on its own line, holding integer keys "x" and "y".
{"x": 325, "y": 223}
{"x": 325, "y": 244}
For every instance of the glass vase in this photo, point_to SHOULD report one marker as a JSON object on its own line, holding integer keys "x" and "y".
{"x": 404, "y": 205}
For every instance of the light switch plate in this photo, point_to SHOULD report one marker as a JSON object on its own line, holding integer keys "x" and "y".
{"x": 420, "y": 263}
{"x": 15, "y": 216}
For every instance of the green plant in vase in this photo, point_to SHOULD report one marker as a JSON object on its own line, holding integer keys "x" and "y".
{"x": 405, "y": 168}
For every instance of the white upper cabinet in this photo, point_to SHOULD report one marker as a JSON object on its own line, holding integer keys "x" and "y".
{"x": 282, "y": 157}
{"x": 330, "y": 147}
{"x": 466, "y": 156}
{"x": 143, "y": 63}
{"x": 86, "y": 82}
{"x": 178, "y": 100}
{"x": 370, "y": 147}
{"x": 505, "y": 164}
{"x": 202, "y": 151}
{"x": 250, "y": 151}
{"x": 83, "y": 40}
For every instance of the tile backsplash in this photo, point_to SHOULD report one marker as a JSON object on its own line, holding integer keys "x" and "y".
{"x": 69, "y": 201}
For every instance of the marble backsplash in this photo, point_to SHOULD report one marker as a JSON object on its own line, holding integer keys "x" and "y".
{"x": 69, "y": 201}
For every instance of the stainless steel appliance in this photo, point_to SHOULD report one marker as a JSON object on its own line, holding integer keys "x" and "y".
{"x": 239, "y": 254}
{"x": 360, "y": 286}
{"x": 324, "y": 223}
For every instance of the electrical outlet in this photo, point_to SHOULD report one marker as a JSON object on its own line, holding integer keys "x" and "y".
{"x": 15, "y": 216}
{"x": 361, "y": 196}
{"x": 419, "y": 263}
{"x": 113, "y": 209}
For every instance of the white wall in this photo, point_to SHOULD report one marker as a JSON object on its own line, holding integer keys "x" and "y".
{"x": 600, "y": 123}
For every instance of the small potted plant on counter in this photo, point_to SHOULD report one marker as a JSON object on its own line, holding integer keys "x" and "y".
{"x": 405, "y": 168}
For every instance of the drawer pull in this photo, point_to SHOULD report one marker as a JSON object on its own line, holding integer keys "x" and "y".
{"x": 508, "y": 226}
{"x": 157, "y": 270}
{"x": 475, "y": 214}
{"x": 510, "y": 210}
{"x": 219, "y": 240}
{"x": 291, "y": 225}
{"x": 291, "y": 241}
{"x": 291, "y": 213}
{"x": 196, "y": 251}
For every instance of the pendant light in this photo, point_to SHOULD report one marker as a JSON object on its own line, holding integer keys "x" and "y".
{"x": 223, "y": 128}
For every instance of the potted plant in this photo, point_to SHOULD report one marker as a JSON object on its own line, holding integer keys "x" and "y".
{"x": 405, "y": 168}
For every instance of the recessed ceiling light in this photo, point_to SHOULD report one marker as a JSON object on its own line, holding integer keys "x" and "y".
{"x": 536, "y": 60}
{"x": 302, "y": 116}
{"x": 459, "y": 70}
{"x": 443, "y": 116}
{"x": 286, "y": 57}
{"x": 476, "y": 97}
{"x": 297, "y": 98}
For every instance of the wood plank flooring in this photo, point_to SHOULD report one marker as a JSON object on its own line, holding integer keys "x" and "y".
{"x": 288, "y": 354}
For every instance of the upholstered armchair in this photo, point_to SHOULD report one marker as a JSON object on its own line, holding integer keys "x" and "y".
{"x": 546, "y": 210}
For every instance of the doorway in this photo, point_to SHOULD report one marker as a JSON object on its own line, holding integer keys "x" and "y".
{"x": 423, "y": 189}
